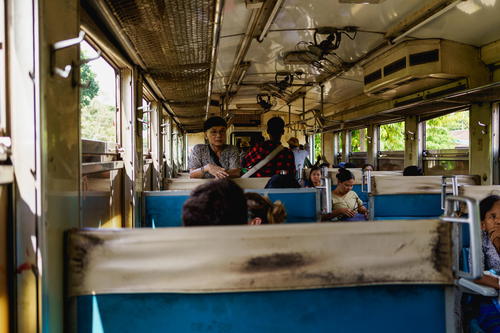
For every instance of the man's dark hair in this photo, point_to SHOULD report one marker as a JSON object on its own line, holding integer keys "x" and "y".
{"x": 220, "y": 202}
{"x": 413, "y": 170}
{"x": 275, "y": 126}
{"x": 212, "y": 122}
{"x": 486, "y": 204}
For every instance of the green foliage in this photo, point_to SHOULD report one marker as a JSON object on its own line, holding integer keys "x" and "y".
{"x": 98, "y": 122}
{"x": 392, "y": 137}
{"x": 87, "y": 78}
{"x": 438, "y": 130}
{"x": 357, "y": 138}
{"x": 317, "y": 145}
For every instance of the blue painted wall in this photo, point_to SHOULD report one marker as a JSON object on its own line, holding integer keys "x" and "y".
{"x": 364, "y": 309}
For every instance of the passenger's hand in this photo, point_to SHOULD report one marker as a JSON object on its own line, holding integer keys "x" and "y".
{"x": 216, "y": 171}
{"x": 347, "y": 212}
{"x": 495, "y": 238}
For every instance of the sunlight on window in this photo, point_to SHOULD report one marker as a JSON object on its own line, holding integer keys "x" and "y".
{"x": 145, "y": 127}
{"x": 391, "y": 137}
{"x": 97, "y": 97}
{"x": 358, "y": 140}
{"x": 448, "y": 132}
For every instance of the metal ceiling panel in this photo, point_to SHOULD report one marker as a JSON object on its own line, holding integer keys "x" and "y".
{"x": 174, "y": 39}
{"x": 299, "y": 14}
{"x": 473, "y": 22}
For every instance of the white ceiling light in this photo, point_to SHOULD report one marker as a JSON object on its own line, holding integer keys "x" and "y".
{"x": 469, "y": 7}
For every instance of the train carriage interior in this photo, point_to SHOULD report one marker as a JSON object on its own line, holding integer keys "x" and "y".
{"x": 102, "y": 103}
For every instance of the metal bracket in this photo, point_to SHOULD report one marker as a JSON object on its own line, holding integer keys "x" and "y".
{"x": 474, "y": 222}
{"x": 87, "y": 60}
{"x": 61, "y": 45}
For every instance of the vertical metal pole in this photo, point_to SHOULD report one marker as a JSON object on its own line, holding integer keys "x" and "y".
{"x": 289, "y": 114}
{"x": 222, "y": 106}
{"x": 322, "y": 87}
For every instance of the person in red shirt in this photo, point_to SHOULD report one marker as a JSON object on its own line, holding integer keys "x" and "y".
{"x": 284, "y": 161}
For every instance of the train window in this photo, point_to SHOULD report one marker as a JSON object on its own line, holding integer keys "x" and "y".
{"x": 317, "y": 147}
{"x": 3, "y": 112}
{"x": 392, "y": 144}
{"x": 97, "y": 97}
{"x": 447, "y": 144}
{"x": 146, "y": 128}
{"x": 495, "y": 127}
{"x": 358, "y": 147}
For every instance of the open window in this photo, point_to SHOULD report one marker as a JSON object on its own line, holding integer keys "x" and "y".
{"x": 447, "y": 144}
{"x": 358, "y": 147}
{"x": 391, "y": 146}
{"x": 102, "y": 165}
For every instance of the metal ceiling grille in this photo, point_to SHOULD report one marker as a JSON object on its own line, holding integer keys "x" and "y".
{"x": 174, "y": 40}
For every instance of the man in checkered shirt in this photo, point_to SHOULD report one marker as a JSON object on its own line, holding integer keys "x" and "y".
{"x": 283, "y": 161}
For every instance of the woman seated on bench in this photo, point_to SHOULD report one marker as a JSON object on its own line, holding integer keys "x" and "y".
{"x": 484, "y": 309}
{"x": 215, "y": 159}
{"x": 347, "y": 206}
{"x": 314, "y": 178}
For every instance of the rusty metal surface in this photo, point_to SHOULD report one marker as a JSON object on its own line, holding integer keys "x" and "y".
{"x": 174, "y": 39}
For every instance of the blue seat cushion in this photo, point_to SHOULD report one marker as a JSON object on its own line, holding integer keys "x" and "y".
{"x": 388, "y": 308}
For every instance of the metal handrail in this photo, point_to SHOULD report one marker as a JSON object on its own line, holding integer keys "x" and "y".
{"x": 454, "y": 189}
{"x": 326, "y": 190}
{"x": 474, "y": 222}
{"x": 366, "y": 181}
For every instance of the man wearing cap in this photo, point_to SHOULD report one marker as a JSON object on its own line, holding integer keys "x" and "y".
{"x": 215, "y": 159}
{"x": 299, "y": 154}
{"x": 283, "y": 161}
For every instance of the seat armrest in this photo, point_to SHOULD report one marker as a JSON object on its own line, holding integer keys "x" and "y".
{"x": 477, "y": 288}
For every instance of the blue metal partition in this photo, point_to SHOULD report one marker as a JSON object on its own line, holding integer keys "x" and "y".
{"x": 164, "y": 208}
{"x": 387, "y": 308}
{"x": 406, "y": 206}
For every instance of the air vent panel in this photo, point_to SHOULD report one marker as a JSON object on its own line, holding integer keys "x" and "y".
{"x": 424, "y": 57}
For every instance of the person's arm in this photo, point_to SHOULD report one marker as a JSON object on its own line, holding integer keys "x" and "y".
{"x": 212, "y": 169}
{"x": 234, "y": 173}
{"x": 234, "y": 170}
{"x": 195, "y": 164}
{"x": 338, "y": 212}
{"x": 488, "y": 280}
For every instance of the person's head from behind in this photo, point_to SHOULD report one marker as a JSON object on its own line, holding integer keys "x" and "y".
{"x": 345, "y": 181}
{"x": 412, "y": 170}
{"x": 368, "y": 167}
{"x": 262, "y": 211}
{"x": 220, "y": 202}
{"x": 215, "y": 131}
{"x": 293, "y": 142}
{"x": 489, "y": 210}
{"x": 282, "y": 181}
{"x": 275, "y": 128}
{"x": 315, "y": 176}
